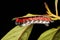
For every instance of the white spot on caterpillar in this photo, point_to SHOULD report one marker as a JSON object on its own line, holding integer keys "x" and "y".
{"x": 23, "y": 25}
{"x": 32, "y": 21}
{"x": 26, "y": 24}
{"x": 36, "y": 21}
{"x": 40, "y": 21}
{"x": 45, "y": 22}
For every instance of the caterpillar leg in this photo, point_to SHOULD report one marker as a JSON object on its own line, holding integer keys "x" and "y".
{"x": 46, "y": 24}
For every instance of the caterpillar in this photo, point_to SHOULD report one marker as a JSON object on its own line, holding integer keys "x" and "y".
{"x": 25, "y": 21}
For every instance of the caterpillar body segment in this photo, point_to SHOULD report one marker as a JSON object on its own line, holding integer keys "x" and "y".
{"x": 25, "y": 21}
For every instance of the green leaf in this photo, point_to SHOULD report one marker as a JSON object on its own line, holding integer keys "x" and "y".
{"x": 26, "y": 34}
{"x": 48, "y": 35}
{"x": 57, "y": 35}
{"x": 18, "y": 32}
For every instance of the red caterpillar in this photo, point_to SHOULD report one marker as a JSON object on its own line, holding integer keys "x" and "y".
{"x": 25, "y": 21}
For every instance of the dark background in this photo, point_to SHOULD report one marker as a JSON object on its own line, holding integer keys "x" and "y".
{"x": 11, "y": 9}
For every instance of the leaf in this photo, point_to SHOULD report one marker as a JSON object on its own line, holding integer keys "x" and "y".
{"x": 26, "y": 34}
{"x": 17, "y": 32}
{"x": 57, "y": 35}
{"x": 48, "y": 35}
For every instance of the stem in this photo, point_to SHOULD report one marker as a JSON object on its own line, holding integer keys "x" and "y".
{"x": 56, "y": 2}
{"x": 46, "y": 6}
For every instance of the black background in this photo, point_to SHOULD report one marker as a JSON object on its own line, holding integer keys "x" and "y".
{"x": 11, "y": 9}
